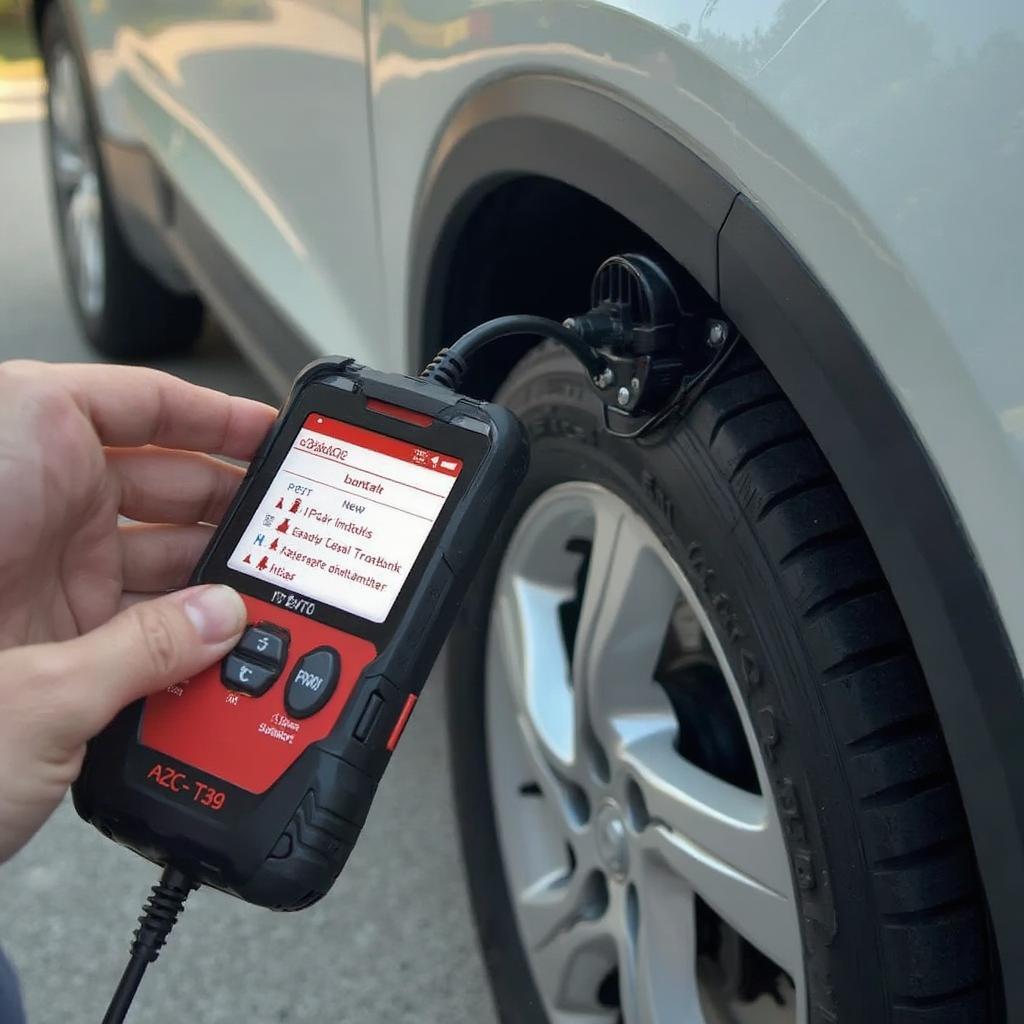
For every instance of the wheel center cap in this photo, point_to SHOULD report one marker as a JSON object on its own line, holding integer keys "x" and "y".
{"x": 612, "y": 848}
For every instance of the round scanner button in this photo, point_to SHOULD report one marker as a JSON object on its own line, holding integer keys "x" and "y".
{"x": 312, "y": 682}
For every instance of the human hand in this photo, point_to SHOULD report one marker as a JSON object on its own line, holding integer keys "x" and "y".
{"x": 80, "y": 445}
{"x": 54, "y": 697}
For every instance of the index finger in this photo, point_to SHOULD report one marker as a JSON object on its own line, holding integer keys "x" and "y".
{"x": 131, "y": 406}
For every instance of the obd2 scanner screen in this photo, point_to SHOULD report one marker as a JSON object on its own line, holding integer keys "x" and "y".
{"x": 351, "y": 541}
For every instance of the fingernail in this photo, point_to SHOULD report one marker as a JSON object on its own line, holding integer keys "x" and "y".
{"x": 217, "y": 613}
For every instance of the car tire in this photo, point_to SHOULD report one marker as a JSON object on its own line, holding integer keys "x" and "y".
{"x": 891, "y": 918}
{"x": 123, "y": 310}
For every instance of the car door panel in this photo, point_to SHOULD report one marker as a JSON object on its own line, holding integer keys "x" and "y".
{"x": 256, "y": 112}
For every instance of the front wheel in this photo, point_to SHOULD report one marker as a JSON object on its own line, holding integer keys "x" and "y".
{"x": 698, "y": 774}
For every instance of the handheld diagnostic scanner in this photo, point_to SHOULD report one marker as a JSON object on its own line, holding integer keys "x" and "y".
{"x": 351, "y": 541}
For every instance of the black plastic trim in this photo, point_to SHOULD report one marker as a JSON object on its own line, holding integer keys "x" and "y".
{"x": 539, "y": 125}
{"x": 571, "y": 132}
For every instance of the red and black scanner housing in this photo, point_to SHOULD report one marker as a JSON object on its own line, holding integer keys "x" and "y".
{"x": 263, "y": 796}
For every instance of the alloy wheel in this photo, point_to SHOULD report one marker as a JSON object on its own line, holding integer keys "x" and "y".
{"x": 76, "y": 176}
{"x": 643, "y": 850}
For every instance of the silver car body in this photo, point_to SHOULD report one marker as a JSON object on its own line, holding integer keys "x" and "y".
{"x": 884, "y": 139}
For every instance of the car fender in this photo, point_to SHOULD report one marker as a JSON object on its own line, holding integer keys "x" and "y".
{"x": 569, "y": 130}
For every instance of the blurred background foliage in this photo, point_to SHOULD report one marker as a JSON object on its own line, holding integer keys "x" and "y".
{"x": 18, "y": 55}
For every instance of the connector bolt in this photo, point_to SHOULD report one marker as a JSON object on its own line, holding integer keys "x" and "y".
{"x": 604, "y": 378}
{"x": 717, "y": 333}
{"x": 623, "y": 396}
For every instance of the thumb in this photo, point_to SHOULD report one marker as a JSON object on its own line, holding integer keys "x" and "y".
{"x": 151, "y": 645}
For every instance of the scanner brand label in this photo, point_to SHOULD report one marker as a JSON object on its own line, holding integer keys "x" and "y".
{"x": 168, "y": 777}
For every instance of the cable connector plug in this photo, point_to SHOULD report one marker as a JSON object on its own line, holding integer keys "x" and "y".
{"x": 449, "y": 365}
{"x": 160, "y": 913}
{"x": 447, "y": 368}
{"x": 596, "y": 328}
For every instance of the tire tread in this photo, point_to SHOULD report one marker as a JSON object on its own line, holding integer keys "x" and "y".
{"x": 914, "y": 833}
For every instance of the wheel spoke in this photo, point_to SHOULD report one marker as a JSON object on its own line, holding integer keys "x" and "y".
{"x": 559, "y": 901}
{"x": 509, "y": 663}
{"x": 724, "y": 841}
{"x": 735, "y": 827}
{"x": 526, "y": 618}
{"x": 548, "y": 698}
{"x": 570, "y": 967}
{"x": 627, "y": 604}
{"x": 67, "y": 113}
{"x": 765, "y": 918}
{"x": 68, "y": 167}
{"x": 657, "y": 954}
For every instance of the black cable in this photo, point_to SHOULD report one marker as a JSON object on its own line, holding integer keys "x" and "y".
{"x": 449, "y": 365}
{"x": 158, "y": 917}
{"x": 125, "y": 993}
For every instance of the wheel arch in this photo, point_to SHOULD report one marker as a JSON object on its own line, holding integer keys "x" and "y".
{"x": 548, "y": 128}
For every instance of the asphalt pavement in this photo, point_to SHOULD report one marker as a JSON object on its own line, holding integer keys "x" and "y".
{"x": 392, "y": 942}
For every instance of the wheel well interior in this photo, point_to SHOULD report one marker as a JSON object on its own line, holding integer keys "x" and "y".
{"x": 526, "y": 245}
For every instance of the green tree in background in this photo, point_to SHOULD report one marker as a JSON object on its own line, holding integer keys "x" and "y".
{"x": 16, "y": 43}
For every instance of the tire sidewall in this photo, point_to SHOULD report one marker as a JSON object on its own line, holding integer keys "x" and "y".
{"x": 673, "y": 484}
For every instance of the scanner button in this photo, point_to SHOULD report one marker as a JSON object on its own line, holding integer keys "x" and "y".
{"x": 265, "y": 642}
{"x": 247, "y": 676}
{"x": 403, "y": 718}
{"x": 368, "y": 719}
{"x": 312, "y": 682}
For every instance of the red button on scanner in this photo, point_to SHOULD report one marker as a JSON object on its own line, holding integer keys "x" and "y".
{"x": 396, "y": 733}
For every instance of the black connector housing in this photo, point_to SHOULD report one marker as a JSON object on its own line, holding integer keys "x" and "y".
{"x": 650, "y": 342}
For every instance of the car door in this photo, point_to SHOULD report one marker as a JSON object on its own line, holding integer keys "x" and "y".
{"x": 257, "y": 112}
